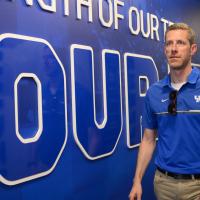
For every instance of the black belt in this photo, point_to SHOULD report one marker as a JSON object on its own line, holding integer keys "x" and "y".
{"x": 179, "y": 176}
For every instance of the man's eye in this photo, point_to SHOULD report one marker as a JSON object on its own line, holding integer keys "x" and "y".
{"x": 168, "y": 43}
{"x": 180, "y": 42}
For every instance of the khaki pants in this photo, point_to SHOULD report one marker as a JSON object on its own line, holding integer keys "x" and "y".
{"x": 168, "y": 188}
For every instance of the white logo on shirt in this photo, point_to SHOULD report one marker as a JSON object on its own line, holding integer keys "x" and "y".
{"x": 163, "y": 100}
{"x": 197, "y": 98}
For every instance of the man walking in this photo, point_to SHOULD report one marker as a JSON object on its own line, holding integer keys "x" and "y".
{"x": 172, "y": 113}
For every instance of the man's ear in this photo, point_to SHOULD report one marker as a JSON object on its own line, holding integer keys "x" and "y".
{"x": 165, "y": 51}
{"x": 193, "y": 49}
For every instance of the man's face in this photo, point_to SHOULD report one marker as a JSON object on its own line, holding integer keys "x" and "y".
{"x": 178, "y": 49}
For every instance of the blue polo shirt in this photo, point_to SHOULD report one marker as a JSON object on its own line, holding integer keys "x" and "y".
{"x": 178, "y": 146}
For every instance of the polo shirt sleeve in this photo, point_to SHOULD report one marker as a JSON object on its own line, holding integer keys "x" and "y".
{"x": 149, "y": 117}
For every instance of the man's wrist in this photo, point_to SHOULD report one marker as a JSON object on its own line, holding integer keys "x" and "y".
{"x": 137, "y": 180}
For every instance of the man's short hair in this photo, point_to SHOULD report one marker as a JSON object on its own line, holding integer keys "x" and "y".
{"x": 182, "y": 26}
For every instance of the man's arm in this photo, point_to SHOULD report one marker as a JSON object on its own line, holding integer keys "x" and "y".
{"x": 146, "y": 150}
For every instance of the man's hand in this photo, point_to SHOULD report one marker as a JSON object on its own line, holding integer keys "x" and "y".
{"x": 136, "y": 192}
{"x": 146, "y": 150}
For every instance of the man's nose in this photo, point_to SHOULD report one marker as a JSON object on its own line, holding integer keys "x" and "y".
{"x": 174, "y": 47}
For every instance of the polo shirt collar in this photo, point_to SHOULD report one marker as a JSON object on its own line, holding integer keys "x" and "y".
{"x": 166, "y": 81}
{"x": 192, "y": 78}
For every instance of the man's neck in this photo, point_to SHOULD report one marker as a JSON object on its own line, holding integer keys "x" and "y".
{"x": 180, "y": 75}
